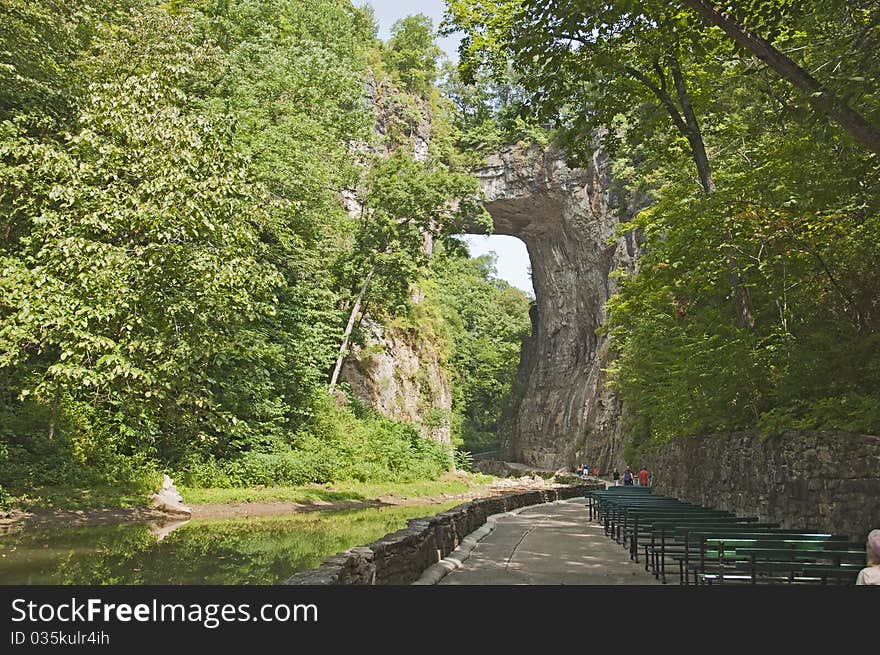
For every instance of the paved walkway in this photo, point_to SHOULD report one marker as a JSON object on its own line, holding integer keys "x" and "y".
{"x": 551, "y": 544}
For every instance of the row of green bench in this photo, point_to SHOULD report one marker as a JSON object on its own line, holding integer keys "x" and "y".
{"x": 717, "y": 547}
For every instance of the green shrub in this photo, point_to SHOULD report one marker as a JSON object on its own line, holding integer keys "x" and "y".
{"x": 349, "y": 443}
{"x": 854, "y": 412}
{"x": 464, "y": 460}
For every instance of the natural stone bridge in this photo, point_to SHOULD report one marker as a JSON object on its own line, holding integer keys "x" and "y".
{"x": 562, "y": 410}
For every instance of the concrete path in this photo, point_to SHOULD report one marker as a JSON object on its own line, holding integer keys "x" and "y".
{"x": 550, "y": 544}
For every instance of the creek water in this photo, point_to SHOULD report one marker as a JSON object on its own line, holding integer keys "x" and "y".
{"x": 254, "y": 550}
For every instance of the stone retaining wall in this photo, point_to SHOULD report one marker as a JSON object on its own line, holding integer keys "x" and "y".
{"x": 400, "y": 558}
{"x": 829, "y": 481}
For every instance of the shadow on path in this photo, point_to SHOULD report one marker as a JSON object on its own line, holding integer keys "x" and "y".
{"x": 552, "y": 544}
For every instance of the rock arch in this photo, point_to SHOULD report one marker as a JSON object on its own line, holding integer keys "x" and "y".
{"x": 562, "y": 410}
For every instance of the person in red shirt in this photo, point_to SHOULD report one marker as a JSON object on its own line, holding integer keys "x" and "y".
{"x": 643, "y": 477}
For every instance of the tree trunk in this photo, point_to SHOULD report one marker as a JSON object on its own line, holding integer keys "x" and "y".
{"x": 53, "y": 418}
{"x": 820, "y": 99}
{"x": 343, "y": 348}
{"x": 685, "y": 121}
{"x": 694, "y": 134}
{"x": 689, "y": 127}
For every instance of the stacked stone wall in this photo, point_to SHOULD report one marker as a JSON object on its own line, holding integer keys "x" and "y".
{"x": 828, "y": 481}
{"x": 400, "y": 558}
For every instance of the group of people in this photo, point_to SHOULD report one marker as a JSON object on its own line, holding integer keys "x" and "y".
{"x": 584, "y": 470}
{"x": 642, "y": 478}
{"x": 629, "y": 478}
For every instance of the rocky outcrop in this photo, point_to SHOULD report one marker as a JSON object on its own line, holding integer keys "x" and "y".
{"x": 399, "y": 374}
{"x": 562, "y": 408}
{"x": 168, "y": 499}
{"x": 826, "y": 481}
{"x": 397, "y": 371}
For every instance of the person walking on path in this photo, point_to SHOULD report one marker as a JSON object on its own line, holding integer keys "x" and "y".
{"x": 616, "y": 476}
{"x": 871, "y": 573}
{"x": 628, "y": 476}
{"x": 643, "y": 477}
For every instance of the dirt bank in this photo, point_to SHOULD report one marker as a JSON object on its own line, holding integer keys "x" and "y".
{"x": 18, "y": 520}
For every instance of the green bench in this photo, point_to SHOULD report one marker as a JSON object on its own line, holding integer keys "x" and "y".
{"x": 615, "y": 512}
{"x": 755, "y": 572}
{"x": 708, "y": 545}
{"x": 687, "y": 544}
{"x": 717, "y": 547}
{"x": 595, "y": 497}
{"x": 669, "y": 538}
{"x": 625, "y": 520}
{"x": 776, "y": 558}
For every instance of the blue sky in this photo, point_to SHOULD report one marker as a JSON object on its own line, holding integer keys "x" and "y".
{"x": 512, "y": 258}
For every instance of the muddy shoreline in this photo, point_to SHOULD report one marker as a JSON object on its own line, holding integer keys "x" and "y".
{"x": 18, "y": 520}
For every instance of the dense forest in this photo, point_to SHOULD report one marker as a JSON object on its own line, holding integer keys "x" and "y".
{"x": 179, "y": 270}
{"x": 202, "y": 200}
{"x": 752, "y": 131}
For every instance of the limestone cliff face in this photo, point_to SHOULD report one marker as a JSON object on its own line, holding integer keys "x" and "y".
{"x": 399, "y": 373}
{"x": 562, "y": 410}
{"x": 396, "y": 371}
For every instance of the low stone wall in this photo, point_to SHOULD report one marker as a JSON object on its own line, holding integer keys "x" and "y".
{"x": 829, "y": 481}
{"x": 400, "y": 558}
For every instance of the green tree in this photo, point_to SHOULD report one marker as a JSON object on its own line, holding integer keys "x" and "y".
{"x": 820, "y": 97}
{"x": 176, "y": 263}
{"x": 140, "y": 266}
{"x": 485, "y": 322}
{"x": 411, "y": 54}
{"x": 405, "y": 203}
{"x": 750, "y": 307}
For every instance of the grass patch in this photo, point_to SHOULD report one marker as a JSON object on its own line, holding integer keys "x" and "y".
{"x": 67, "y": 497}
{"x": 452, "y": 483}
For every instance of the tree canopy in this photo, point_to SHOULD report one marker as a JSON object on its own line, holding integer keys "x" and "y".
{"x": 177, "y": 262}
{"x": 750, "y": 128}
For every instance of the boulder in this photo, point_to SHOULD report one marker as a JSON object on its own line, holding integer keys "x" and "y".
{"x": 169, "y": 500}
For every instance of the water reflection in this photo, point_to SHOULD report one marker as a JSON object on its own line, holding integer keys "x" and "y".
{"x": 162, "y": 530}
{"x": 253, "y": 550}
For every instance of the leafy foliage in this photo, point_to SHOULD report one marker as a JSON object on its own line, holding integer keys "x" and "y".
{"x": 411, "y": 54}
{"x": 342, "y": 444}
{"x": 489, "y": 112}
{"x": 484, "y": 323}
{"x": 176, "y": 262}
{"x": 755, "y": 302}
